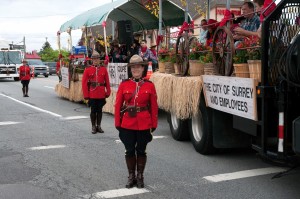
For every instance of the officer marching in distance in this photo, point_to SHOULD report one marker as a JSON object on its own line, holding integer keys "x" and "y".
{"x": 25, "y": 77}
{"x": 95, "y": 88}
{"x": 136, "y": 112}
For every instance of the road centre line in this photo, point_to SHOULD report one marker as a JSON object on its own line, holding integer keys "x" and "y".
{"x": 34, "y": 107}
{"x": 117, "y": 193}
{"x": 244, "y": 174}
{"x": 47, "y": 147}
{"x": 9, "y": 123}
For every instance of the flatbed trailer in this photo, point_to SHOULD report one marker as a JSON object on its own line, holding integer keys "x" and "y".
{"x": 265, "y": 115}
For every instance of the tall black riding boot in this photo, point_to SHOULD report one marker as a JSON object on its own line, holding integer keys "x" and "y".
{"x": 23, "y": 89}
{"x": 99, "y": 118}
{"x": 141, "y": 163}
{"x": 131, "y": 162}
{"x": 93, "y": 121}
{"x": 26, "y": 91}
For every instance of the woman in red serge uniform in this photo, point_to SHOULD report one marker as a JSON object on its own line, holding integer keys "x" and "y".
{"x": 25, "y": 77}
{"x": 95, "y": 88}
{"x": 137, "y": 119}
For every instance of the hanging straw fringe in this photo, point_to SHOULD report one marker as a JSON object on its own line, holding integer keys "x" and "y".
{"x": 110, "y": 103}
{"x": 179, "y": 95}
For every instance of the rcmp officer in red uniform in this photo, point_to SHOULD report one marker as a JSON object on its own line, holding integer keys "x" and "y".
{"x": 137, "y": 119}
{"x": 25, "y": 77}
{"x": 96, "y": 87}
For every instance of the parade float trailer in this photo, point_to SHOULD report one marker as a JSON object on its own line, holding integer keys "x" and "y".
{"x": 223, "y": 111}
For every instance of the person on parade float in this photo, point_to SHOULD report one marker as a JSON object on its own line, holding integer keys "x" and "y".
{"x": 137, "y": 120}
{"x": 58, "y": 65}
{"x": 240, "y": 31}
{"x": 146, "y": 53}
{"x": 212, "y": 25}
{"x": 95, "y": 88}
{"x": 203, "y": 32}
{"x": 251, "y": 22}
{"x": 25, "y": 77}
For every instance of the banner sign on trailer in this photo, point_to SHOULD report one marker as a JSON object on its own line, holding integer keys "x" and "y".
{"x": 117, "y": 73}
{"x": 232, "y": 95}
{"x": 65, "y": 77}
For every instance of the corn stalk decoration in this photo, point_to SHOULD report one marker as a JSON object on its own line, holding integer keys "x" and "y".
{"x": 152, "y": 6}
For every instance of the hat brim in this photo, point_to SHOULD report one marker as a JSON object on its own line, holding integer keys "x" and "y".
{"x": 144, "y": 63}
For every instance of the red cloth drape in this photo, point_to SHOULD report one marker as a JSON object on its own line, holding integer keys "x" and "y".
{"x": 227, "y": 16}
{"x": 267, "y": 8}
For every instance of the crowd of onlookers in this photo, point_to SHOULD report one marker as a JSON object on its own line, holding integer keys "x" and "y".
{"x": 120, "y": 53}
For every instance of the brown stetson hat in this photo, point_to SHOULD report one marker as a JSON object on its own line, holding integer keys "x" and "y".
{"x": 95, "y": 55}
{"x": 137, "y": 60}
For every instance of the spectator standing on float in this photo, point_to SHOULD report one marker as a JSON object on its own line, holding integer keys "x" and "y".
{"x": 58, "y": 67}
{"x": 95, "y": 88}
{"x": 25, "y": 77}
{"x": 203, "y": 31}
{"x": 212, "y": 25}
{"x": 137, "y": 120}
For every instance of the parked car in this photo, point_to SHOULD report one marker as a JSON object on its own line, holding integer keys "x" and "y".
{"x": 39, "y": 67}
{"x": 52, "y": 67}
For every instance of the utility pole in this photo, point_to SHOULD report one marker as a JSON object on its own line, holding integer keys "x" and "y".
{"x": 24, "y": 45}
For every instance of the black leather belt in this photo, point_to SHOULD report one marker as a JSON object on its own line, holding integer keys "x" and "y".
{"x": 94, "y": 84}
{"x": 140, "y": 109}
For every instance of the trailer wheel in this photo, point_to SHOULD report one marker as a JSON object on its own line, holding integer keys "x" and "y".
{"x": 178, "y": 127}
{"x": 200, "y": 128}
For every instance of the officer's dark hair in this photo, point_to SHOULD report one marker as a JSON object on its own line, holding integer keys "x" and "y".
{"x": 249, "y": 4}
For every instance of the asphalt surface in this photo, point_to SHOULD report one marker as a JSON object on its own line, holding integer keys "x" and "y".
{"x": 47, "y": 153}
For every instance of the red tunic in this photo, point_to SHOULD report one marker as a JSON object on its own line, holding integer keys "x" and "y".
{"x": 24, "y": 73}
{"x": 146, "y": 96}
{"x": 95, "y": 75}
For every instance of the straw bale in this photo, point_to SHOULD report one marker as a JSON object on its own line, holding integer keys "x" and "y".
{"x": 74, "y": 93}
{"x": 186, "y": 96}
{"x": 164, "y": 86}
{"x": 179, "y": 95}
{"x": 109, "y": 107}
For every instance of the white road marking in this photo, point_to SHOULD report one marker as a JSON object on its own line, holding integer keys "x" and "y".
{"x": 34, "y": 107}
{"x": 159, "y": 137}
{"x": 154, "y": 137}
{"x": 9, "y": 123}
{"x": 117, "y": 193}
{"x": 49, "y": 87}
{"x": 74, "y": 117}
{"x": 244, "y": 174}
{"x": 47, "y": 147}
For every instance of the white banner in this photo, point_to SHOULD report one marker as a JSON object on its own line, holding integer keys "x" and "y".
{"x": 117, "y": 73}
{"x": 231, "y": 95}
{"x": 65, "y": 77}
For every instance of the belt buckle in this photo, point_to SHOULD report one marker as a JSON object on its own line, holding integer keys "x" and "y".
{"x": 138, "y": 109}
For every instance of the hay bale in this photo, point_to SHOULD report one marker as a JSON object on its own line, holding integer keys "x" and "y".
{"x": 180, "y": 95}
{"x": 186, "y": 91}
{"x": 109, "y": 107}
{"x": 164, "y": 86}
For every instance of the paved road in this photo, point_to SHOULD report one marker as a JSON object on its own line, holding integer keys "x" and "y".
{"x": 47, "y": 151}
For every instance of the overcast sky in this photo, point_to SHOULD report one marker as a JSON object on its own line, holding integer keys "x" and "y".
{"x": 38, "y": 19}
